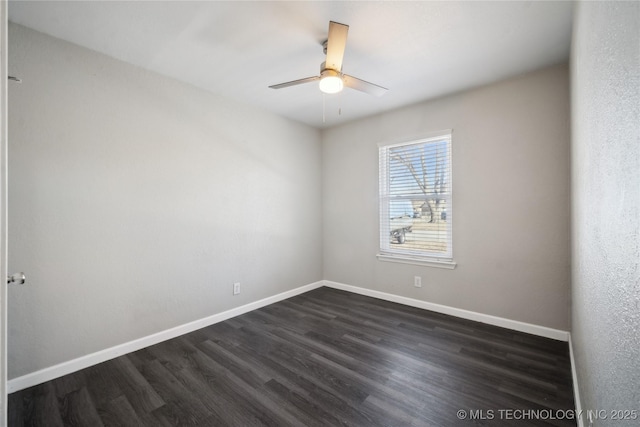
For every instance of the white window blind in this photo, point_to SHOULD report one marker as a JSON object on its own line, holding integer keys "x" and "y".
{"x": 416, "y": 215}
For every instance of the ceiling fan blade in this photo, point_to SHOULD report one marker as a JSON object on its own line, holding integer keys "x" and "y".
{"x": 361, "y": 85}
{"x": 336, "y": 43}
{"x": 295, "y": 82}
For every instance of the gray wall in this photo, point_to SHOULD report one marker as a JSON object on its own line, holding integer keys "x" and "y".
{"x": 136, "y": 201}
{"x": 605, "y": 95}
{"x": 511, "y": 200}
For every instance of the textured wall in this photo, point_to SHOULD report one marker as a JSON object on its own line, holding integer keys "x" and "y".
{"x": 605, "y": 95}
{"x": 511, "y": 200}
{"x": 136, "y": 201}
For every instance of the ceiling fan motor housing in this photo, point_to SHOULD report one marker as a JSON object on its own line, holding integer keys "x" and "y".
{"x": 325, "y": 72}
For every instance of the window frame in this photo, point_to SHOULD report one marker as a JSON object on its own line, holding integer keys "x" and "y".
{"x": 409, "y": 256}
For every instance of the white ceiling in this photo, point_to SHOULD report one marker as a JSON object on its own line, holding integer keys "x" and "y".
{"x": 419, "y": 49}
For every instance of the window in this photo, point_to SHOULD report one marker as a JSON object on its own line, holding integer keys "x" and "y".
{"x": 416, "y": 215}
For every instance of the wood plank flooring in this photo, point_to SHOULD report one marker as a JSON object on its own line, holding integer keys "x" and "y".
{"x": 324, "y": 358}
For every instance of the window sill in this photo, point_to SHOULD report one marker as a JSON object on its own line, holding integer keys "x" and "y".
{"x": 449, "y": 265}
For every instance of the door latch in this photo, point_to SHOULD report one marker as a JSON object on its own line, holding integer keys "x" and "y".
{"x": 16, "y": 279}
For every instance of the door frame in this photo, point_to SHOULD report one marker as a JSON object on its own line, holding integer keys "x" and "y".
{"x": 3, "y": 210}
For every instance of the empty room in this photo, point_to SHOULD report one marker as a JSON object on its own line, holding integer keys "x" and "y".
{"x": 331, "y": 213}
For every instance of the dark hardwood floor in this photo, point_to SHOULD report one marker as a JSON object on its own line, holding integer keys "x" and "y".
{"x": 324, "y": 358}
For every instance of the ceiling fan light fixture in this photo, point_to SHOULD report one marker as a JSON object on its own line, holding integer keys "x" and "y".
{"x": 331, "y": 79}
{"x": 331, "y": 82}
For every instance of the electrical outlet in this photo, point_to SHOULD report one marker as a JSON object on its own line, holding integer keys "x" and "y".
{"x": 236, "y": 288}
{"x": 417, "y": 281}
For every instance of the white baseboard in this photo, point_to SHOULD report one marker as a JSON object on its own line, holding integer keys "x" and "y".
{"x": 515, "y": 325}
{"x": 83, "y": 362}
{"x": 576, "y": 389}
{"x": 56, "y": 371}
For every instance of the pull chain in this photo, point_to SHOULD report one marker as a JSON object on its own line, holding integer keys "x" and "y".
{"x": 323, "y": 107}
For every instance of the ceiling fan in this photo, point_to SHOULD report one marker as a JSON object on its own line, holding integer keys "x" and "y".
{"x": 331, "y": 78}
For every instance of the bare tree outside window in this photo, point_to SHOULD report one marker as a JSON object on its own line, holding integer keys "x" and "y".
{"x": 416, "y": 197}
{"x": 429, "y": 177}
